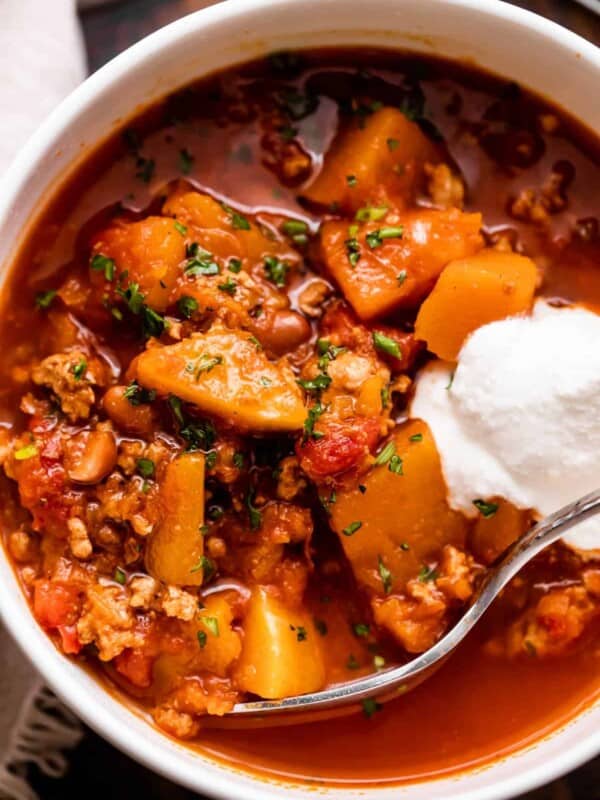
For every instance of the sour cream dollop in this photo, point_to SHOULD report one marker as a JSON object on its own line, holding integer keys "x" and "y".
{"x": 520, "y": 417}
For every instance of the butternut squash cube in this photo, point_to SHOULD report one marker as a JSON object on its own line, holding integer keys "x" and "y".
{"x": 224, "y": 373}
{"x": 399, "y": 271}
{"x": 401, "y": 520}
{"x": 382, "y": 159}
{"x": 281, "y": 653}
{"x": 175, "y": 548}
{"x": 473, "y": 292}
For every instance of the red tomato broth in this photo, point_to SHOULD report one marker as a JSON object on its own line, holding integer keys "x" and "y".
{"x": 479, "y": 706}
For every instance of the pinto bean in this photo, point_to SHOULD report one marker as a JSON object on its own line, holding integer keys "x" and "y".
{"x": 90, "y": 456}
{"x": 127, "y": 416}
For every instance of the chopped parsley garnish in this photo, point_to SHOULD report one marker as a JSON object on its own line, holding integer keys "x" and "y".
{"x": 352, "y": 663}
{"x": 351, "y": 529}
{"x": 385, "y": 575}
{"x": 120, "y": 576}
{"x": 416, "y": 437}
{"x": 24, "y": 453}
{"x": 207, "y": 567}
{"x": 392, "y": 144}
{"x": 234, "y": 265}
{"x": 371, "y": 213}
{"x": 314, "y": 412}
{"x": 255, "y": 342}
{"x": 202, "y": 637}
{"x": 321, "y": 626}
{"x": 210, "y": 459}
{"x": 362, "y": 488}
{"x": 175, "y": 406}
{"x": 181, "y": 229}
{"x": 238, "y": 460}
{"x": 385, "y": 396}
{"x": 153, "y": 324}
{"x": 404, "y": 546}
{"x": 264, "y": 381}
{"x": 238, "y": 221}
{"x": 230, "y": 287}
{"x": 212, "y": 623}
{"x": 199, "y": 435}
{"x": 294, "y": 227}
{"x": 427, "y": 574}
{"x": 137, "y": 395}
{"x": 485, "y": 509}
{"x": 451, "y": 381}
{"x": 79, "y": 369}
{"x": 377, "y": 237}
{"x": 145, "y": 467}
{"x": 276, "y": 270}
{"x": 386, "y": 345}
{"x": 317, "y": 384}
{"x": 361, "y": 629}
{"x": 186, "y": 306}
{"x": 200, "y": 262}
{"x": 351, "y": 180}
{"x": 101, "y": 263}
{"x": 44, "y": 300}
{"x": 145, "y": 169}
{"x": 370, "y": 707}
{"x": 327, "y": 352}
{"x": 384, "y": 456}
{"x": 326, "y": 502}
{"x": 401, "y": 277}
{"x": 186, "y": 161}
{"x": 395, "y": 465}
{"x": 301, "y": 634}
{"x": 203, "y": 363}
{"x": 254, "y": 514}
{"x": 297, "y": 104}
{"x": 352, "y": 250}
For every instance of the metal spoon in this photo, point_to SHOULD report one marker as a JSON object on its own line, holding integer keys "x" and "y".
{"x": 398, "y": 680}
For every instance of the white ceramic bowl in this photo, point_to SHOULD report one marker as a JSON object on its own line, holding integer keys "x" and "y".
{"x": 498, "y": 36}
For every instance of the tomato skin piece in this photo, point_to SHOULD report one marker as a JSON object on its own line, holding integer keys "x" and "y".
{"x": 135, "y": 666}
{"x": 342, "y": 447}
{"x": 55, "y": 604}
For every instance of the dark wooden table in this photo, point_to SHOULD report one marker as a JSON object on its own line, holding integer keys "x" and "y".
{"x": 99, "y": 771}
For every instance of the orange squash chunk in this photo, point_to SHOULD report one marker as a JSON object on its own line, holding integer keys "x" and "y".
{"x": 281, "y": 653}
{"x": 492, "y": 535}
{"x": 400, "y": 271}
{"x": 473, "y": 292}
{"x": 175, "y": 547}
{"x": 382, "y": 159}
{"x": 225, "y": 374}
{"x": 151, "y": 251}
{"x": 401, "y": 521}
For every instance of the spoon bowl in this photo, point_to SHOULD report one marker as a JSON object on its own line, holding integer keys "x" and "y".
{"x": 389, "y": 683}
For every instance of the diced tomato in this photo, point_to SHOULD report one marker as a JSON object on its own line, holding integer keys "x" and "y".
{"x": 341, "y": 324}
{"x": 56, "y": 604}
{"x": 342, "y": 447}
{"x": 136, "y": 666}
{"x": 69, "y": 639}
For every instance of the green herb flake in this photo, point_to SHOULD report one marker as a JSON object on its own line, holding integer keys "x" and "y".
{"x": 79, "y": 369}
{"x": 427, "y": 574}
{"x": 229, "y": 287}
{"x": 485, "y": 509}
{"x": 395, "y": 465}
{"x": 370, "y": 707}
{"x": 404, "y": 546}
{"x": 401, "y": 277}
{"x": 145, "y": 169}
{"x": 254, "y": 514}
{"x": 145, "y": 467}
{"x": 212, "y": 623}
{"x": 294, "y": 227}
{"x": 361, "y": 629}
{"x": 238, "y": 460}
{"x": 238, "y": 221}
{"x": 137, "y": 395}
{"x": 44, "y": 300}
{"x": 385, "y": 396}
{"x": 181, "y": 229}
{"x": 203, "y": 363}
{"x": 377, "y": 237}
{"x": 371, "y": 213}
{"x": 200, "y": 262}
{"x": 416, "y": 437}
{"x": 187, "y": 306}
{"x": 385, "y": 575}
{"x": 387, "y": 345}
{"x": 202, "y": 638}
{"x": 321, "y": 627}
{"x": 314, "y": 412}
{"x": 362, "y": 488}
{"x": 186, "y": 161}
{"x": 234, "y": 265}
{"x": 317, "y": 384}
{"x": 24, "y": 453}
{"x": 301, "y": 634}
{"x": 101, "y": 263}
{"x": 352, "y": 250}
{"x": 276, "y": 270}
{"x": 253, "y": 340}
{"x": 384, "y": 456}
{"x": 351, "y": 529}
{"x": 351, "y": 180}
{"x": 120, "y": 576}
{"x": 392, "y": 144}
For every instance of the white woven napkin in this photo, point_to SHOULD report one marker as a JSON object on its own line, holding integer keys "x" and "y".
{"x": 41, "y": 59}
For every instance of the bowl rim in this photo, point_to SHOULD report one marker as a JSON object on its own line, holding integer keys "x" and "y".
{"x": 39, "y": 649}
